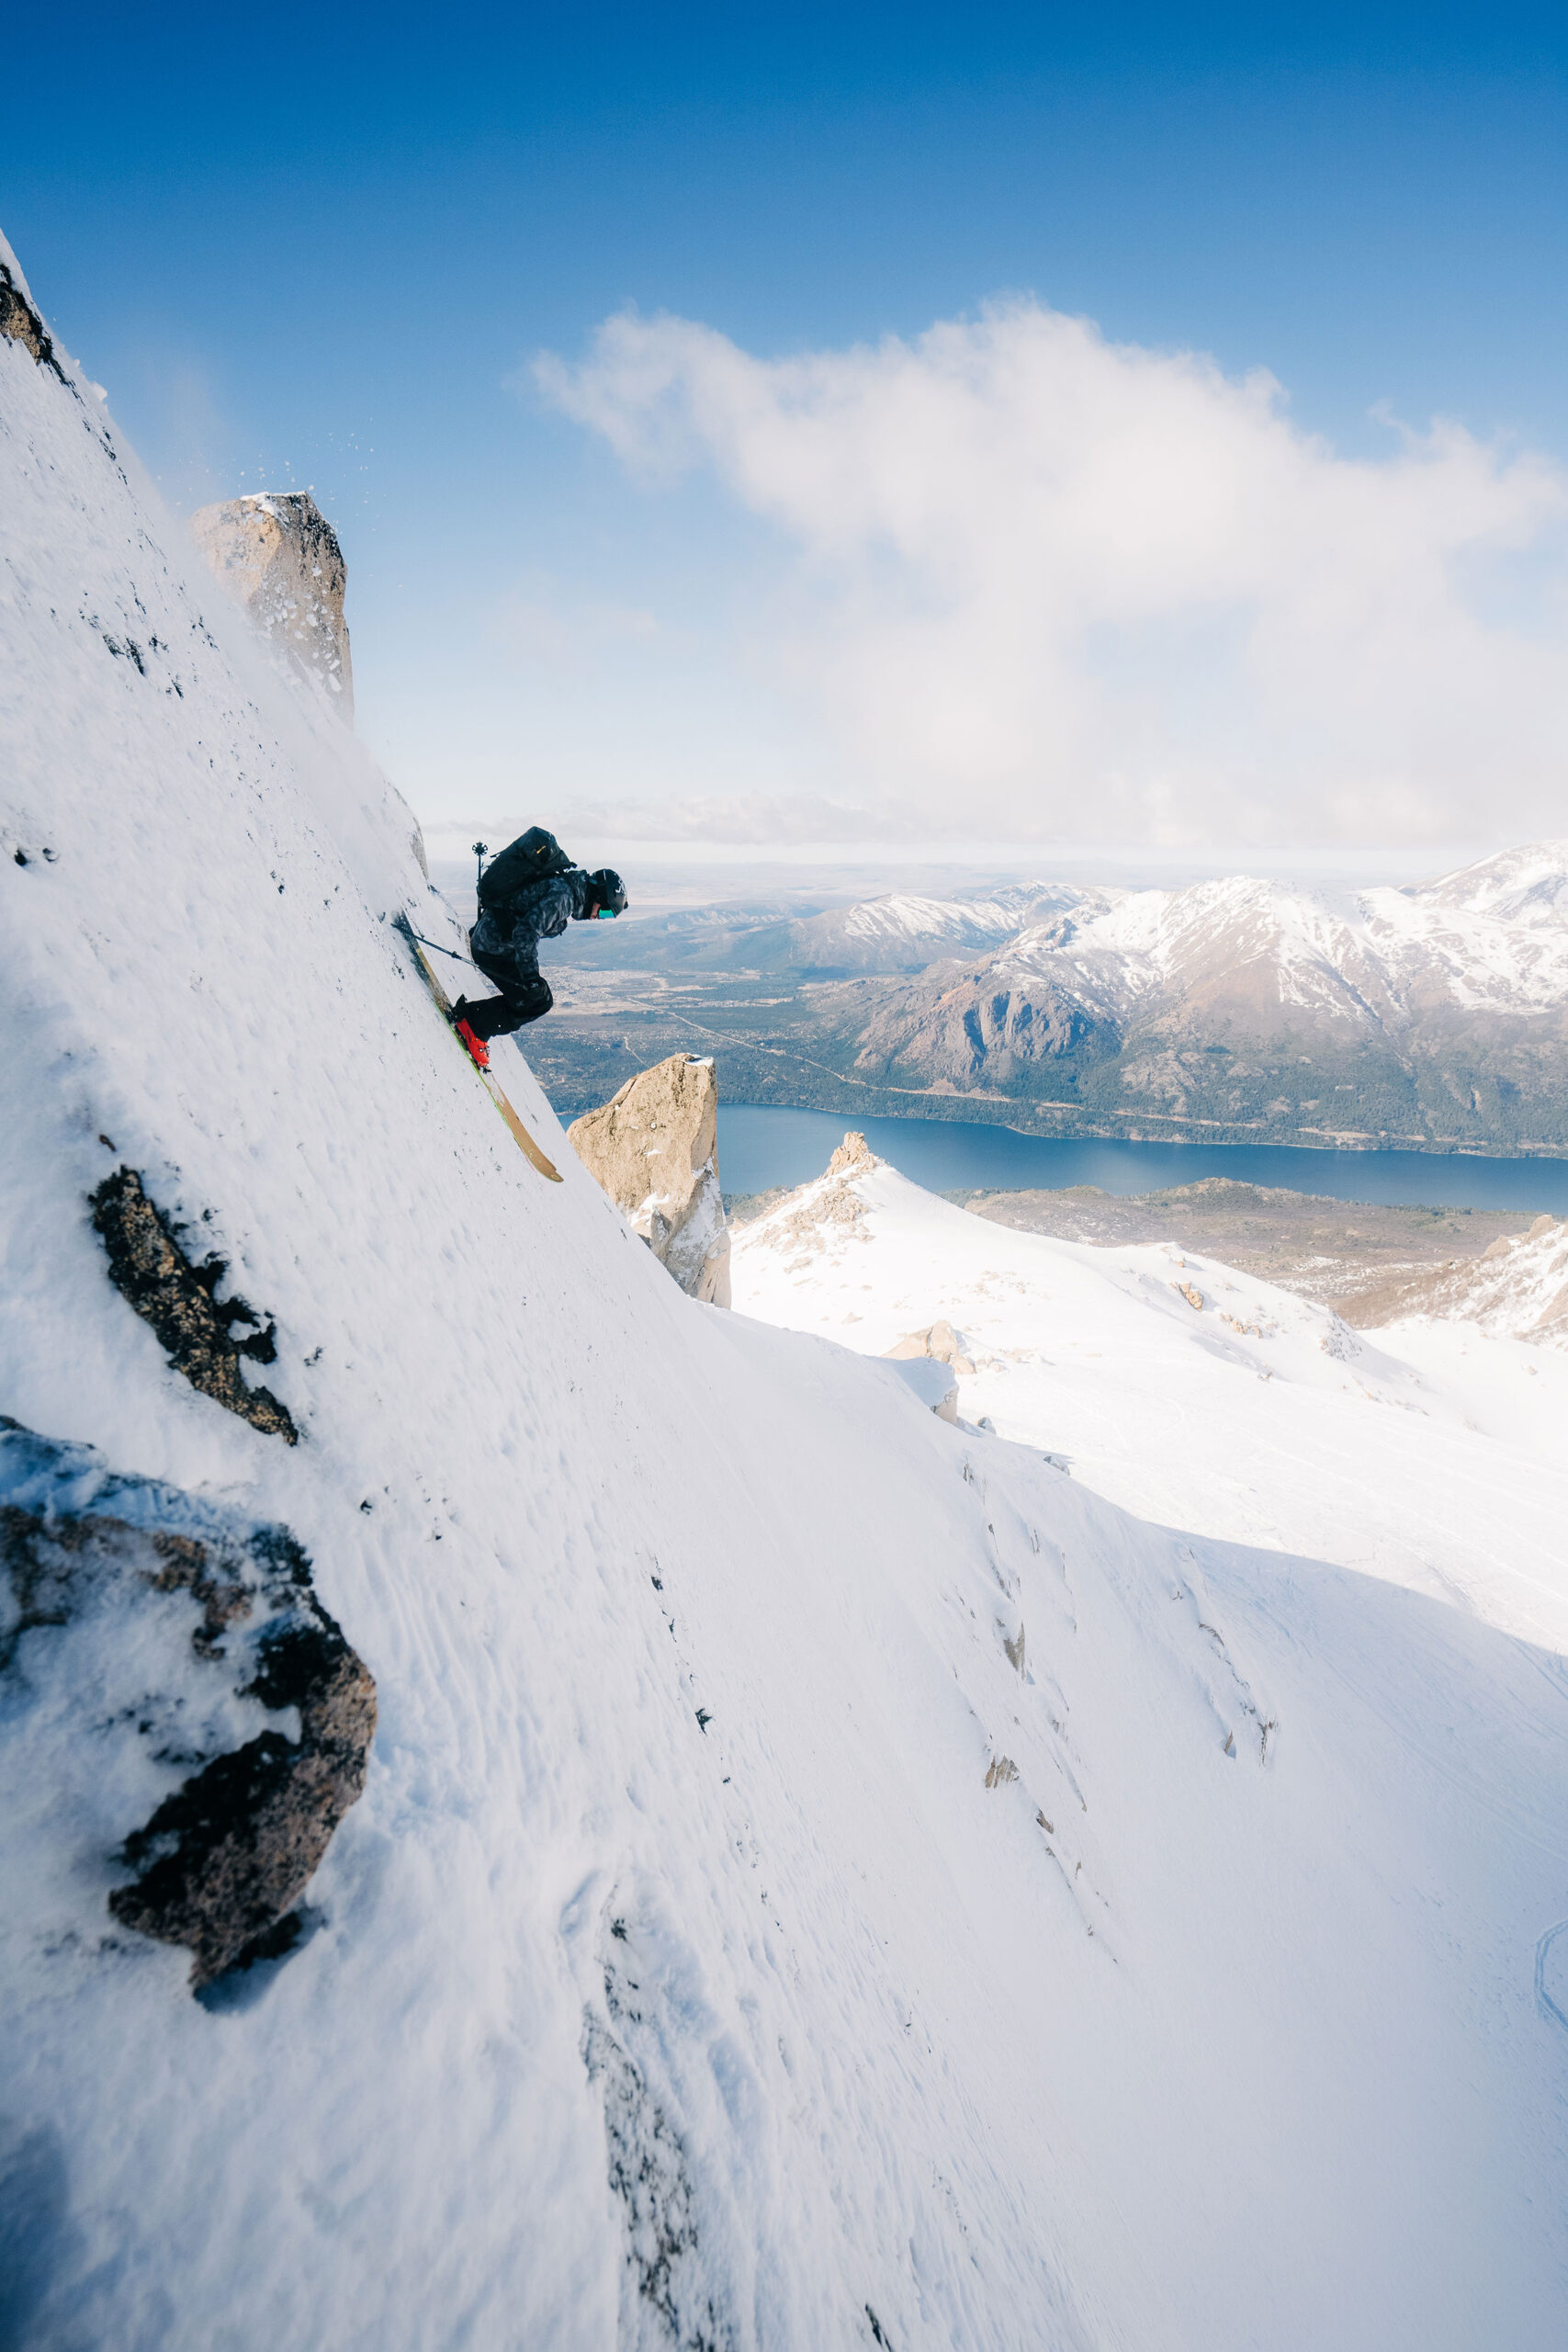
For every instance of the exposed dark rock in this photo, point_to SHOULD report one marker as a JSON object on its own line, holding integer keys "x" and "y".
{"x": 226, "y": 1609}
{"x": 225, "y": 1857}
{"x": 648, "y": 2172}
{"x": 953, "y": 1033}
{"x": 151, "y": 1271}
{"x": 22, "y": 323}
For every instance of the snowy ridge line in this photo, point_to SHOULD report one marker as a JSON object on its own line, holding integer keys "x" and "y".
{"x": 1494, "y": 935}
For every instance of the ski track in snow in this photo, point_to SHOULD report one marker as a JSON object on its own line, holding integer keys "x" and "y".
{"x": 678, "y": 1979}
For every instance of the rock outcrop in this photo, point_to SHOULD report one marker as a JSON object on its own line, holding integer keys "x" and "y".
{"x": 934, "y": 1383}
{"x": 941, "y": 1342}
{"x": 940, "y": 1351}
{"x": 179, "y": 1703}
{"x": 1517, "y": 1289}
{"x": 22, "y": 323}
{"x": 654, "y": 1148}
{"x": 275, "y": 553}
{"x": 854, "y": 1157}
{"x": 151, "y": 1273}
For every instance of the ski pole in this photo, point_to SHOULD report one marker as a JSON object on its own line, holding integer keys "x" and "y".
{"x": 436, "y": 945}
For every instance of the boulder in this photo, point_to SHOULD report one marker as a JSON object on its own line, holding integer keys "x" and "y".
{"x": 654, "y": 1148}
{"x": 934, "y": 1383}
{"x": 275, "y": 553}
{"x": 941, "y": 1342}
{"x": 181, "y": 1710}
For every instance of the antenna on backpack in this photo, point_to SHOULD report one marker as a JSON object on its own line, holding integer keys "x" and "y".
{"x": 481, "y": 850}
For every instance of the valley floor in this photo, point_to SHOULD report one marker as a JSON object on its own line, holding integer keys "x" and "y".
{"x": 1369, "y": 1261}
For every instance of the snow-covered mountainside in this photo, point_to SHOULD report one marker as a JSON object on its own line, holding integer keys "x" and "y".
{"x": 1198, "y": 1397}
{"x": 821, "y": 1876}
{"x": 1494, "y": 934}
{"x": 1518, "y": 1289}
{"x": 900, "y": 932}
{"x": 1435, "y": 1015}
{"x": 904, "y": 932}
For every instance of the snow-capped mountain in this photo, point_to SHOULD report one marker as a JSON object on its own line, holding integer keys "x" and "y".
{"x": 1436, "y": 1015}
{"x": 1527, "y": 888}
{"x": 821, "y": 1876}
{"x": 904, "y": 932}
{"x": 1493, "y": 935}
{"x": 1236, "y": 1009}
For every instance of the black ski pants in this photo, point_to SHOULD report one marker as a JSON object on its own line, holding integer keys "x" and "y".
{"x": 524, "y": 995}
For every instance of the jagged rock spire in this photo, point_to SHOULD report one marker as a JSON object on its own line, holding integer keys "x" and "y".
{"x": 275, "y": 553}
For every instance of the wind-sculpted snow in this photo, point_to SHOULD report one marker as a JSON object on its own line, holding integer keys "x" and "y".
{"x": 690, "y": 1969}
{"x": 1197, "y": 1395}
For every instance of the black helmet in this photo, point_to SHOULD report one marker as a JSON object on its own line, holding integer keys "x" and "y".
{"x": 609, "y": 890}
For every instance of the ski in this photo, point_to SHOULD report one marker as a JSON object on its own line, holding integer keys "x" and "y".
{"x": 487, "y": 1078}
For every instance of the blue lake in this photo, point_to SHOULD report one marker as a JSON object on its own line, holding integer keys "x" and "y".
{"x": 760, "y": 1147}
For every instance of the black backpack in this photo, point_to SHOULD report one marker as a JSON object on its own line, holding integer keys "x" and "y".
{"x": 534, "y": 856}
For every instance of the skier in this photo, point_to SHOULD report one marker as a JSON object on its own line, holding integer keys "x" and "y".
{"x": 528, "y": 893}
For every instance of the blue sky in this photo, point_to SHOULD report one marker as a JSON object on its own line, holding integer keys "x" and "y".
{"x": 327, "y": 247}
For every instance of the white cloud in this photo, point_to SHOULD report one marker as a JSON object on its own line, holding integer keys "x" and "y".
{"x": 741, "y": 820}
{"x": 1069, "y": 589}
{"x": 550, "y": 631}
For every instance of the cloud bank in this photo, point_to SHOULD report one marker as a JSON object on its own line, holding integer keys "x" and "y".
{"x": 1037, "y": 583}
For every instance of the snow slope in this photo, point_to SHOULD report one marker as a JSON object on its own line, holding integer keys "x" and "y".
{"x": 824, "y": 1877}
{"x": 1192, "y": 1395}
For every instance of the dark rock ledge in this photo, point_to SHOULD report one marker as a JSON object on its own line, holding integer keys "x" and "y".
{"x": 22, "y": 323}
{"x": 143, "y": 1632}
{"x": 152, "y": 1273}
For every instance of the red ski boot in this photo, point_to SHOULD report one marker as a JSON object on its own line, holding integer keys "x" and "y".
{"x": 476, "y": 1045}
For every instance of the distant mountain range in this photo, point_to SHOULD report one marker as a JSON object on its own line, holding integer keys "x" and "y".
{"x": 772, "y": 938}
{"x": 1244, "y": 1010}
{"x": 1437, "y": 1014}
{"x": 905, "y": 934}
